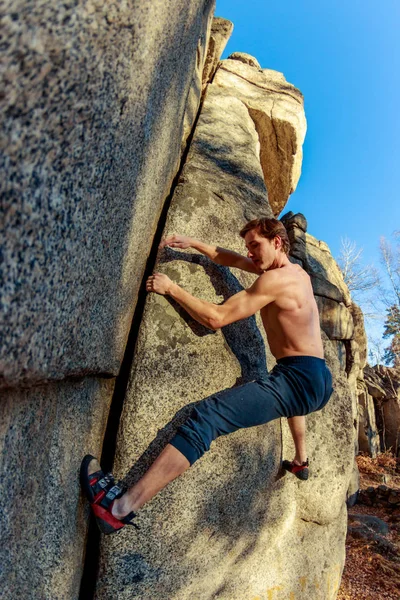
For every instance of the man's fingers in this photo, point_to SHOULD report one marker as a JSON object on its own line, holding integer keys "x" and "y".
{"x": 169, "y": 241}
{"x": 149, "y": 282}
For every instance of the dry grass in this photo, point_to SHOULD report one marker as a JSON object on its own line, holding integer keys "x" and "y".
{"x": 371, "y": 573}
{"x": 385, "y": 462}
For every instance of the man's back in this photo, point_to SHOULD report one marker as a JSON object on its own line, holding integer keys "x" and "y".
{"x": 291, "y": 321}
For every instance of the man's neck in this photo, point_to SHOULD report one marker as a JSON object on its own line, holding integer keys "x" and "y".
{"x": 281, "y": 260}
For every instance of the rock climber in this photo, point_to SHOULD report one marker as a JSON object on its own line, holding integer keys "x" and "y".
{"x": 299, "y": 383}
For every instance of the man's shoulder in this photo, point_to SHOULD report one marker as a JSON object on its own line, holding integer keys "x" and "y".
{"x": 271, "y": 276}
{"x": 268, "y": 280}
{"x": 277, "y": 279}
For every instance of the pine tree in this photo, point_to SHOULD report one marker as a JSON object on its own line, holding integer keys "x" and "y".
{"x": 392, "y": 329}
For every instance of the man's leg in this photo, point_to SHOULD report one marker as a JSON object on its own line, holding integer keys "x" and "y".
{"x": 241, "y": 407}
{"x": 168, "y": 466}
{"x": 171, "y": 463}
{"x": 298, "y": 429}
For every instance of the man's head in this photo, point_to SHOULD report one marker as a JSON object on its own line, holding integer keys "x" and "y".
{"x": 267, "y": 242}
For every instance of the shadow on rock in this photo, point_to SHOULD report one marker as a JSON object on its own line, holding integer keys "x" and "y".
{"x": 243, "y": 337}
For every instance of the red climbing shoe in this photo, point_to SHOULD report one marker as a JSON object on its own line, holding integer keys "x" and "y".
{"x": 301, "y": 471}
{"x": 101, "y": 491}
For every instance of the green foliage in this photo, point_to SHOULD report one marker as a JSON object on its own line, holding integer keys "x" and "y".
{"x": 392, "y": 329}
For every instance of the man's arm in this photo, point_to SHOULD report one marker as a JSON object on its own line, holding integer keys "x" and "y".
{"x": 237, "y": 307}
{"x": 221, "y": 256}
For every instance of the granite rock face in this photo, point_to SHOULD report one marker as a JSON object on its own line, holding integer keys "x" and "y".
{"x": 277, "y": 110}
{"x": 210, "y": 533}
{"x": 380, "y": 390}
{"x": 340, "y": 319}
{"x": 359, "y": 333}
{"x": 331, "y": 292}
{"x": 221, "y": 30}
{"x": 368, "y": 436}
{"x": 45, "y": 432}
{"x": 98, "y": 101}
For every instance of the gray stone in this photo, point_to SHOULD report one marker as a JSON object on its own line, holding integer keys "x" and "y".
{"x": 98, "y": 101}
{"x": 375, "y": 390}
{"x": 318, "y": 265}
{"x": 336, "y": 319}
{"x": 245, "y": 58}
{"x": 45, "y": 433}
{"x": 341, "y": 353}
{"x": 221, "y": 31}
{"x": 368, "y": 436}
{"x": 291, "y": 220}
{"x": 359, "y": 333}
{"x": 391, "y": 415}
{"x": 277, "y": 110}
{"x": 233, "y": 512}
{"x": 318, "y": 262}
{"x": 353, "y": 363}
{"x": 323, "y": 287}
{"x": 354, "y": 486}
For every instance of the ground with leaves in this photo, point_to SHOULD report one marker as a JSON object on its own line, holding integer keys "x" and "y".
{"x": 372, "y": 568}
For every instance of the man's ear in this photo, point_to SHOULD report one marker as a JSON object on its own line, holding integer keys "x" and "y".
{"x": 278, "y": 242}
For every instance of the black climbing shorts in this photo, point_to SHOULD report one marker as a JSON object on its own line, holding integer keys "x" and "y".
{"x": 297, "y": 385}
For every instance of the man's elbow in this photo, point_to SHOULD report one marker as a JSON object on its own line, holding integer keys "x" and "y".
{"x": 218, "y": 318}
{"x": 214, "y": 323}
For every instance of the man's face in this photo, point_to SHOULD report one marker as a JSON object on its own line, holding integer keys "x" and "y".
{"x": 261, "y": 250}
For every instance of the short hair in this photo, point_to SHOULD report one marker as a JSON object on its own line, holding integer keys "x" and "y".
{"x": 269, "y": 228}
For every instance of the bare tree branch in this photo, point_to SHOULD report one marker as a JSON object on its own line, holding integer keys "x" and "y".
{"x": 359, "y": 279}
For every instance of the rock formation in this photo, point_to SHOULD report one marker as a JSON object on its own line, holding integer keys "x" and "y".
{"x": 379, "y": 397}
{"x": 234, "y": 505}
{"x": 99, "y": 100}
{"x": 101, "y": 105}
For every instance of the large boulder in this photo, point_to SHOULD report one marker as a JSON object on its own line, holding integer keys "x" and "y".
{"x": 359, "y": 333}
{"x": 210, "y": 533}
{"x": 98, "y": 102}
{"x": 45, "y": 432}
{"x": 340, "y": 320}
{"x": 336, "y": 319}
{"x": 382, "y": 386}
{"x": 221, "y": 30}
{"x": 277, "y": 110}
{"x": 317, "y": 260}
{"x": 368, "y": 436}
{"x": 331, "y": 292}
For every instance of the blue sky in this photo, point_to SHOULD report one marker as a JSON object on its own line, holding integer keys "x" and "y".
{"x": 345, "y": 58}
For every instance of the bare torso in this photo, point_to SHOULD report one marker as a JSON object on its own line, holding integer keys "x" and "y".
{"x": 292, "y": 320}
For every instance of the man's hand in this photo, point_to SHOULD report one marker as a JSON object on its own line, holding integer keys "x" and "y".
{"x": 159, "y": 283}
{"x": 177, "y": 241}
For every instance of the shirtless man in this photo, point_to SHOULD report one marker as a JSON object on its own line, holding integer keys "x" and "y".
{"x": 300, "y": 382}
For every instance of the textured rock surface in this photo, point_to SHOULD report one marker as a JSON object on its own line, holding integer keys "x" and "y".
{"x": 339, "y": 318}
{"x": 336, "y": 319}
{"x": 332, "y": 294}
{"x": 317, "y": 260}
{"x": 382, "y": 388}
{"x": 276, "y": 108}
{"x": 359, "y": 333}
{"x": 368, "y": 437}
{"x": 391, "y": 415}
{"x": 98, "y": 102}
{"x": 245, "y": 58}
{"x": 221, "y": 30}
{"x": 45, "y": 432}
{"x": 98, "y": 99}
{"x": 211, "y": 532}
